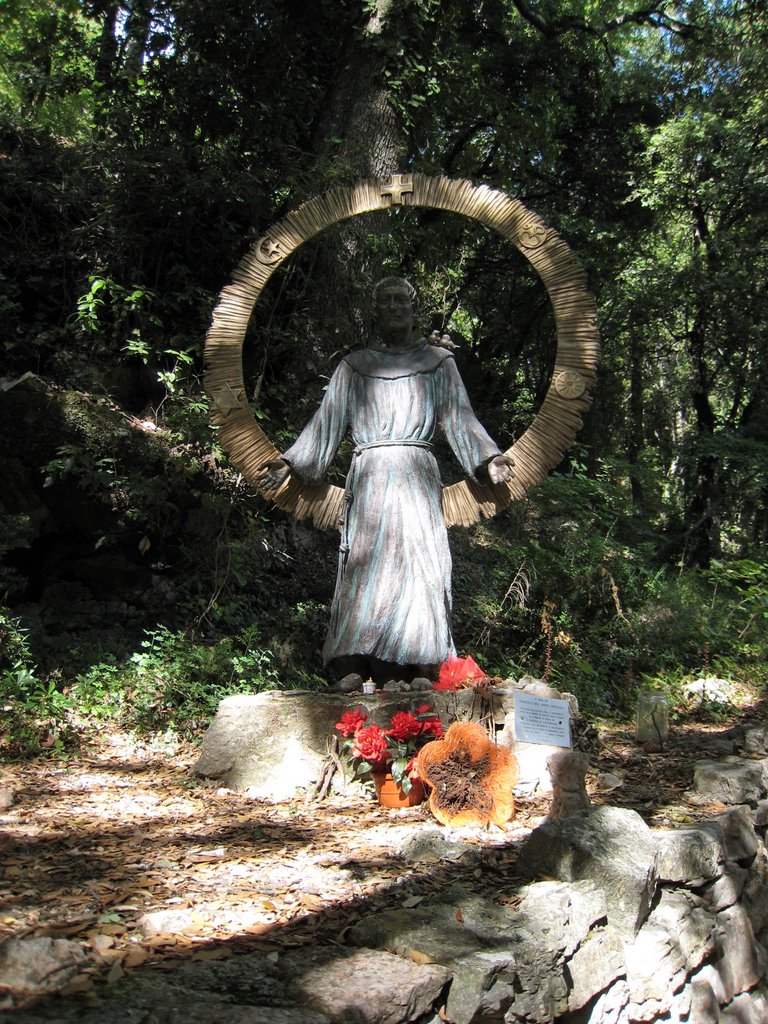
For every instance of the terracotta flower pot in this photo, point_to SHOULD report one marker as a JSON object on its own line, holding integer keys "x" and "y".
{"x": 390, "y": 793}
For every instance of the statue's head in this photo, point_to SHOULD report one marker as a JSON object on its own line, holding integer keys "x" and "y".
{"x": 396, "y": 282}
{"x": 395, "y": 303}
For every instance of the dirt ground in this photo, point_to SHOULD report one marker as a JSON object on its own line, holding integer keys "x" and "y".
{"x": 124, "y": 850}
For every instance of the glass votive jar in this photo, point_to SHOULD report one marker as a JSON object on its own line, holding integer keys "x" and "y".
{"x": 652, "y": 718}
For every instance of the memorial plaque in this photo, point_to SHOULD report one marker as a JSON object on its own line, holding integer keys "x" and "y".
{"x": 542, "y": 720}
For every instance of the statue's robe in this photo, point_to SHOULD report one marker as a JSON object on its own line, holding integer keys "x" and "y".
{"x": 393, "y": 588}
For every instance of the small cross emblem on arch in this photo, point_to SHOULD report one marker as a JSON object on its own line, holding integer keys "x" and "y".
{"x": 400, "y": 185}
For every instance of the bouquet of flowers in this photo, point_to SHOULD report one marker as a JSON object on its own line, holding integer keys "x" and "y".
{"x": 456, "y": 673}
{"x": 394, "y": 750}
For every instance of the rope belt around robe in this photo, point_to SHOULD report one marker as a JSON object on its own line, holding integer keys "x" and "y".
{"x": 554, "y": 427}
{"x": 398, "y": 442}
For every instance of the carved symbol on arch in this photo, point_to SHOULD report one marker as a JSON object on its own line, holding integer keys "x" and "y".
{"x": 268, "y": 251}
{"x": 227, "y": 398}
{"x": 532, "y": 236}
{"x": 399, "y": 186}
{"x": 570, "y": 384}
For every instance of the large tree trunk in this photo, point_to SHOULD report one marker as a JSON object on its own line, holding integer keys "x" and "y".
{"x": 636, "y": 413}
{"x": 359, "y": 136}
{"x": 360, "y": 130}
{"x": 704, "y": 498}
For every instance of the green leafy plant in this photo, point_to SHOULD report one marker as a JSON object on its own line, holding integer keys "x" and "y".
{"x": 174, "y": 682}
{"x": 107, "y": 297}
{"x": 35, "y": 708}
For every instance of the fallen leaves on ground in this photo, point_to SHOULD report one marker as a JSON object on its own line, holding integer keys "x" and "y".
{"x": 141, "y": 863}
{"x": 124, "y": 851}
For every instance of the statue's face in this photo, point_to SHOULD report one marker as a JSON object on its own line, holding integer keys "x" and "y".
{"x": 394, "y": 308}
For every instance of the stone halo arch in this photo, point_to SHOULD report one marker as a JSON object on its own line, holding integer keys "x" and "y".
{"x": 554, "y": 427}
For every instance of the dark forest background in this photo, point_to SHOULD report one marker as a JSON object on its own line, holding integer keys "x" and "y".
{"x": 145, "y": 145}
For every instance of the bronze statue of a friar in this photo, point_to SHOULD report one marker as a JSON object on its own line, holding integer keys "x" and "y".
{"x": 391, "y": 611}
{"x": 392, "y": 604}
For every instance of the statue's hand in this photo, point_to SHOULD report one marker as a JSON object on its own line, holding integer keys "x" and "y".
{"x": 500, "y": 469}
{"x": 273, "y": 475}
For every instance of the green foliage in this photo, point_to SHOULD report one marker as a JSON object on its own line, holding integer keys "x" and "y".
{"x": 16, "y": 533}
{"x": 572, "y": 587}
{"x": 171, "y": 683}
{"x": 174, "y": 683}
{"x": 34, "y": 709}
{"x": 722, "y": 687}
{"x": 46, "y": 67}
{"x": 746, "y": 583}
{"x": 124, "y": 306}
{"x": 14, "y": 644}
{"x": 140, "y": 156}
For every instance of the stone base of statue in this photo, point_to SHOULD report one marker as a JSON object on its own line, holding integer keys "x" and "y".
{"x": 274, "y": 745}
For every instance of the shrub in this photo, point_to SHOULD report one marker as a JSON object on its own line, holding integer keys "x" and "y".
{"x": 34, "y": 709}
{"x": 173, "y": 682}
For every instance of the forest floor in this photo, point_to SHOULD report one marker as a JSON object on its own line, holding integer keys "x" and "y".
{"x": 123, "y": 849}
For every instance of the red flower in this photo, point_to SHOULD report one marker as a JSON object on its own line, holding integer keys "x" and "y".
{"x": 373, "y": 748}
{"x": 370, "y": 744}
{"x": 404, "y": 726}
{"x": 432, "y": 727}
{"x": 351, "y": 722}
{"x": 455, "y": 671}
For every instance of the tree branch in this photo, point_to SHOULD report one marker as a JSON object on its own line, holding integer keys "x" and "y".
{"x": 552, "y": 28}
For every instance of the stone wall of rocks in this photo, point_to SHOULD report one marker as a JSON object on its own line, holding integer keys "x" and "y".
{"x": 632, "y": 926}
{"x": 612, "y": 923}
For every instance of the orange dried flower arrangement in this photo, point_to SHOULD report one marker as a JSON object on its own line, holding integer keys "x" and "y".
{"x": 471, "y": 778}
